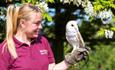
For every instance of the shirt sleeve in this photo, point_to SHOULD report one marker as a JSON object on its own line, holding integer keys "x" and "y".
{"x": 50, "y": 53}
{"x": 4, "y": 58}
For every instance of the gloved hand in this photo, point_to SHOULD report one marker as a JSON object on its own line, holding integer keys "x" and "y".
{"x": 78, "y": 55}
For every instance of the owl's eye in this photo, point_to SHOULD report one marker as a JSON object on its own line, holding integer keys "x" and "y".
{"x": 72, "y": 25}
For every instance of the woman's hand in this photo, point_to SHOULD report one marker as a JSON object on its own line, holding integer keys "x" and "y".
{"x": 77, "y": 55}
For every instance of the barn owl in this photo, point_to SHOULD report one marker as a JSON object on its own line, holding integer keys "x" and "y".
{"x": 73, "y": 35}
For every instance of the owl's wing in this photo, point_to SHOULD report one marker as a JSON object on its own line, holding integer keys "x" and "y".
{"x": 80, "y": 39}
{"x": 71, "y": 38}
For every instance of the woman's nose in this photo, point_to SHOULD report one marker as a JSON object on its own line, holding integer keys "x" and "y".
{"x": 40, "y": 26}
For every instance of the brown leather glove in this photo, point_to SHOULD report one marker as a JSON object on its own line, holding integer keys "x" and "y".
{"x": 77, "y": 55}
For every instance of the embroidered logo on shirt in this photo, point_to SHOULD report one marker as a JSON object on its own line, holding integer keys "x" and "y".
{"x": 43, "y": 52}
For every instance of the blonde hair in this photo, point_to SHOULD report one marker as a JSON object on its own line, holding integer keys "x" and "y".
{"x": 14, "y": 14}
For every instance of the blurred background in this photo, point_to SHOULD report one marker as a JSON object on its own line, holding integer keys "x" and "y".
{"x": 96, "y": 21}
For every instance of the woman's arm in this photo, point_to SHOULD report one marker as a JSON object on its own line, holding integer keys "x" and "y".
{"x": 70, "y": 59}
{"x": 60, "y": 66}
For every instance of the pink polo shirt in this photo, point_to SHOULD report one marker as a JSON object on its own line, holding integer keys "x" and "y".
{"x": 37, "y": 56}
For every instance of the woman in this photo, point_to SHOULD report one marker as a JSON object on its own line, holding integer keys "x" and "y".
{"x": 24, "y": 48}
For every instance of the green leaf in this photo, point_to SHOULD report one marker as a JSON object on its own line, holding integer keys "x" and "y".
{"x": 113, "y": 28}
{"x": 47, "y": 17}
{"x": 51, "y": 1}
{"x": 112, "y": 5}
{"x": 29, "y": 1}
{"x": 98, "y": 7}
{"x": 100, "y": 33}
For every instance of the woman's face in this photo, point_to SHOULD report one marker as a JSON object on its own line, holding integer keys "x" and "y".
{"x": 33, "y": 25}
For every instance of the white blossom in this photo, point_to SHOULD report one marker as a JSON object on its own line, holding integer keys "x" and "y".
{"x": 89, "y": 9}
{"x": 43, "y": 6}
{"x": 106, "y": 16}
{"x": 2, "y": 17}
{"x": 109, "y": 33}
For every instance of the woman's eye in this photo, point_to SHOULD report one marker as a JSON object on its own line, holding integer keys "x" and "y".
{"x": 36, "y": 23}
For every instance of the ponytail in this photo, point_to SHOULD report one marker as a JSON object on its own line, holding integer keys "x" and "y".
{"x": 11, "y": 28}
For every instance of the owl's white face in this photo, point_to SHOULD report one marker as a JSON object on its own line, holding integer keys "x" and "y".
{"x": 72, "y": 26}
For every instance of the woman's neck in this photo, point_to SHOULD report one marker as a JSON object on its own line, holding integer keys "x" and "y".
{"x": 22, "y": 37}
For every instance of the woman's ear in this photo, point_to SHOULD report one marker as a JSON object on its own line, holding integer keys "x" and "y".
{"x": 22, "y": 23}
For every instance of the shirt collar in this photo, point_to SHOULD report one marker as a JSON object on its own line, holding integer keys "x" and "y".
{"x": 17, "y": 42}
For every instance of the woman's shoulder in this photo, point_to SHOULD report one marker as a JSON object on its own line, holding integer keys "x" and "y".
{"x": 2, "y": 45}
{"x": 3, "y": 50}
{"x": 42, "y": 39}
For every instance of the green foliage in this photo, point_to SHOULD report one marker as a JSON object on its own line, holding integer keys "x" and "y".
{"x": 30, "y": 1}
{"x": 2, "y": 23}
{"x": 103, "y": 27}
{"x": 49, "y": 31}
{"x": 100, "y": 33}
{"x": 102, "y": 4}
{"x": 101, "y": 58}
{"x": 47, "y": 16}
{"x": 51, "y": 1}
{"x": 113, "y": 28}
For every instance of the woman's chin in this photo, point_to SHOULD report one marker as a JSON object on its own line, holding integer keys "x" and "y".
{"x": 35, "y": 36}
